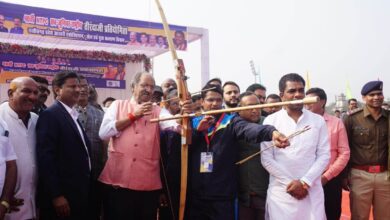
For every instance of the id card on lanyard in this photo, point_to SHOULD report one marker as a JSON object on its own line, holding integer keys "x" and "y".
{"x": 206, "y": 158}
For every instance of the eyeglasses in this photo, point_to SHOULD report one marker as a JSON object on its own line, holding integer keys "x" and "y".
{"x": 43, "y": 89}
{"x": 213, "y": 100}
{"x": 84, "y": 86}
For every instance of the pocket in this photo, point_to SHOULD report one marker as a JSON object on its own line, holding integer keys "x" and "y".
{"x": 310, "y": 137}
{"x": 116, "y": 164}
{"x": 361, "y": 136}
{"x": 383, "y": 134}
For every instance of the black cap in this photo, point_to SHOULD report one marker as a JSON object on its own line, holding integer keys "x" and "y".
{"x": 372, "y": 86}
{"x": 157, "y": 89}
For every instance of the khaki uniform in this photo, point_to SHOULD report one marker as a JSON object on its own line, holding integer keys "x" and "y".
{"x": 369, "y": 163}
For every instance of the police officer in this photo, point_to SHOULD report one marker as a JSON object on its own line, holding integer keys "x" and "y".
{"x": 368, "y": 135}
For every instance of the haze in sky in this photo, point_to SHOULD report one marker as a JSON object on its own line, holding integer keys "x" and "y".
{"x": 336, "y": 41}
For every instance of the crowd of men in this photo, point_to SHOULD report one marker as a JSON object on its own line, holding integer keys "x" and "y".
{"x": 76, "y": 159}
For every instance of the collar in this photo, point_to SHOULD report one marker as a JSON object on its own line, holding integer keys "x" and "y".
{"x": 366, "y": 112}
{"x": 14, "y": 114}
{"x": 133, "y": 101}
{"x": 72, "y": 111}
{"x": 304, "y": 112}
{"x": 11, "y": 111}
{"x": 326, "y": 116}
{"x": 82, "y": 109}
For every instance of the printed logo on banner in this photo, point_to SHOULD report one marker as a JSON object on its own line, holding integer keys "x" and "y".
{"x": 112, "y": 83}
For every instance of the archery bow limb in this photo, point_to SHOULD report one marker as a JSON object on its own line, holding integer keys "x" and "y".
{"x": 183, "y": 95}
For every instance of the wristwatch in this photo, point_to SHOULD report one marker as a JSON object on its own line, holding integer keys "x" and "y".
{"x": 5, "y": 204}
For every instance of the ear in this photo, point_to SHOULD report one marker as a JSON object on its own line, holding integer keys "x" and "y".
{"x": 202, "y": 101}
{"x": 10, "y": 92}
{"x": 132, "y": 89}
{"x": 323, "y": 103}
{"x": 56, "y": 90}
{"x": 281, "y": 95}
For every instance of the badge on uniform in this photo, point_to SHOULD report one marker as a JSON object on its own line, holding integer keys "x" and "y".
{"x": 206, "y": 162}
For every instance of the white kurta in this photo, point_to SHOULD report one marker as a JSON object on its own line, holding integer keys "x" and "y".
{"x": 23, "y": 141}
{"x": 306, "y": 159}
{"x": 6, "y": 152}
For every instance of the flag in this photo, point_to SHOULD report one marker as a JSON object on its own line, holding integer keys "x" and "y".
{"x": 307, "y": 81}
{"x": 348, "y": 92}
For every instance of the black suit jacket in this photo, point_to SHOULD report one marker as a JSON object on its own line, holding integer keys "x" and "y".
{"x": 63, "y": 161}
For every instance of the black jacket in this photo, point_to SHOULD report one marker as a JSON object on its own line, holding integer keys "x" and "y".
{"x": 222, "y": 182}
{"x": 63, "y": 161}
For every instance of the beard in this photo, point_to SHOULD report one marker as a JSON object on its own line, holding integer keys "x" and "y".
{"x": 231, "y": 104}
{"x": 144, "y": 96}
{"x": 295, "y": 107}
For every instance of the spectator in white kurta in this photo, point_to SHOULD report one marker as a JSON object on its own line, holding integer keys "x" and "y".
{"x": 22, "y": 95}
{"x": 7, "y": 170}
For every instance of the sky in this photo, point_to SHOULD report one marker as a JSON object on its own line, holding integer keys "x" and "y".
{"x": 335, "y": 41}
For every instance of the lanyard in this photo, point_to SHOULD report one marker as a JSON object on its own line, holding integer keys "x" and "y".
{"x": 206, "y": 137}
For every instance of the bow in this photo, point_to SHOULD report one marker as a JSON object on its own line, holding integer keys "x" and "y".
{"x": 183, "y": 95}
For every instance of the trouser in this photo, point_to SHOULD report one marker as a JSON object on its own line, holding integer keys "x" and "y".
{"x": 120, "y": 203}
{"x": 332, "y": 195}
{"x": 255, "y": 211}
{"x": 171, "y": 212}
{"x": 76, "y": 213}
{"x": 206, "y": 209}
{"x": 369, "y": 189}
{"x": 95, "y": 200}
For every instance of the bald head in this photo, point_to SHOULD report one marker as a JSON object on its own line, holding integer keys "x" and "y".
{"x": 19, "y": 81}
{"x": 167, "y": 85}
{"x": 22, "y": 94}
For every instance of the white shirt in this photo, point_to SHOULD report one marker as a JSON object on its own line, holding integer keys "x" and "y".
{"x": 305, "y": 159}
{"x": 108, "y": 128}
{"x": 6, "y": 152}
{"x": 23, "y": 140}
{"x": 75, "y": 114}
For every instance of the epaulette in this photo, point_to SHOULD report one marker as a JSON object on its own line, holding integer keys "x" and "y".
{"x": 355, "y": 111}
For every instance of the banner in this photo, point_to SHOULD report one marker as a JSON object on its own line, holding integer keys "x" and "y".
{"x": 26, "y": 20}
{"x": 101, "y": 74}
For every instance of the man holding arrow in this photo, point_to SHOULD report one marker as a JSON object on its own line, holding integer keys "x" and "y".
{"x": 213, "y": 153}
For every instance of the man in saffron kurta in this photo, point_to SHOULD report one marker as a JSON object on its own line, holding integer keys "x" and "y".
{"x": 295, "y": 191}
{"x": 132, "y": 171}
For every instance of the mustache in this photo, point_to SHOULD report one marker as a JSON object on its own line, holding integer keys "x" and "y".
{"x": 145, "y": 93}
